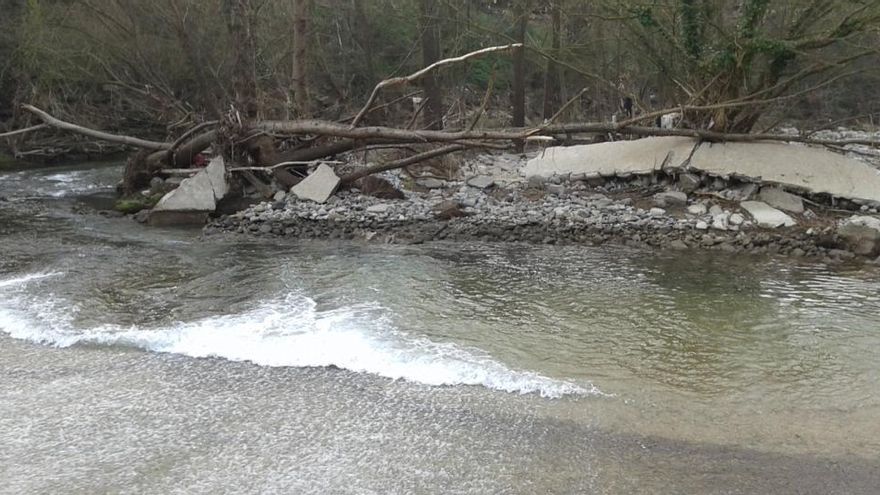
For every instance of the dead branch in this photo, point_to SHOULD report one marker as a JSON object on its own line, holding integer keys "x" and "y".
{"x": 23, "y": 131}
{"x": 565, "y": 107}
{"x": 398, "y": 81}
{"x": 104, "y": 136}
{"x": 427, "y": 136}
{"x": 283, "y": 164}
{"x": 410, "y": 160}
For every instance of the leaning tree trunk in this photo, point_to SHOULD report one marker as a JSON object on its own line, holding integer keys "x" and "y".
{"x": 240, "y": 23}
{"x": 433, "y": 114}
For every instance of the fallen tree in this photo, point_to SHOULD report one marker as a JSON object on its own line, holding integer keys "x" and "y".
{"x": 253, "y": 146}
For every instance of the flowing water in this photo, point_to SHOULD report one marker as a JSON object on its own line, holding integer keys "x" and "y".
{"x": 137, "y": 360}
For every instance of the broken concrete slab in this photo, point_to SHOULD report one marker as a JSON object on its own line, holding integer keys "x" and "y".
{"x": 793, "y": 166}
{"x": 782, "y": 200}
{"x": 767, "y": 216}
{"x": 619, "y": 158}
{"x": 194, "y": 194}
{"x": 861, "y": 234}
{"x": 318, "y": 186}
{"x": 216, "y": 171}
{"x": 194, "y": 198}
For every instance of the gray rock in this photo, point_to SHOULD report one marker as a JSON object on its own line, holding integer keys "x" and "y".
{"x": 142, "y": 216}
{"x": 782, "y": 200}
{"x": 318, "y": 186}
{"x": 701, "y": 225}
{"x": 861, "y": 234}
{"x": 721, "y": 221}
{"x": 744, "y": 192}
{"x": 678, "y": 245}
{"x": 279, "y": 196}
{"x": 380, "y": 208}
{"x": 481, "y": 182}
{"x": 737, "y": 219}
{"x": 689, "y": 183}
{"x": 448, "y": 210}
{"x": 716, "y": 210}
{"x": 670, "y": 198}
{"x": 657, "y": 212}
{"x": 157, "y": 184}
{"x": 555, "y": 189}
{"x": 767, "y": 216}
{"x": 431, "y": 183}
{"x": 536, "y": 182}
{"x": 697, "y": 209}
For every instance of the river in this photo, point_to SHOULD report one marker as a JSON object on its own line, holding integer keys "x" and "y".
{"x": 139, "y": 360}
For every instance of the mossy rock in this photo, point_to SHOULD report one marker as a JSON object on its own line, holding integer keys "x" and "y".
{"x": 133, "y": 204}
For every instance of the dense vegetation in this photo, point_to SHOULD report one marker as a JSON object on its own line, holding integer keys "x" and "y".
{"x": 157, "y": 67}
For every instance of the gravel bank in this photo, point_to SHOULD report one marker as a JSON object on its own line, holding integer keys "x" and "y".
{"x": 507, "y": 208}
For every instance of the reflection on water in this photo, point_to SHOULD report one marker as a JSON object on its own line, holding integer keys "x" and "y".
{"x": 750, "y": 353}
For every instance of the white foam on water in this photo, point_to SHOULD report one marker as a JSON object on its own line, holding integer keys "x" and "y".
{"x": 288, "y": 332}
{"x": 27, "y": 278}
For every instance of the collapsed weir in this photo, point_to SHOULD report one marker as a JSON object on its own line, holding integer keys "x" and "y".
{"x": 620, "y": 201}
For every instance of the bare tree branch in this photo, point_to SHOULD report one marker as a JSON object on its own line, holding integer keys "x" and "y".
{"x": 398, "y": 81}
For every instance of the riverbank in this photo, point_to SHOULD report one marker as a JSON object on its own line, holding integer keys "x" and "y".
{"x": 495, "y": 203}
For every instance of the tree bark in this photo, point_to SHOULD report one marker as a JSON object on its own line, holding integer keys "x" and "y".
{"x": 433, "y": 114}
{"x": 240, "y": 23}
{"x": 552, "y": 87}
{"x": 519, "y": 68}
{"x": 364, "y": 35}
{"x": 300, "y": 45}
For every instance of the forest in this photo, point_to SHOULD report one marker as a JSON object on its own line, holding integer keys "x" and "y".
{"x": 157, "y": 69}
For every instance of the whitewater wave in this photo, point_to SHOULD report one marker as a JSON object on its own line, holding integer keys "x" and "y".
{"x": 286, "y": 332}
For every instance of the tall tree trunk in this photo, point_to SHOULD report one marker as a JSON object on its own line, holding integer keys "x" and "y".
{"x": 364, "y": 37}
{"x": 240, "y": 23}
{"x": 433, "y": 113}
{"x": 519, "y": 67}
{"x": 552, "y": 88}
{"x": 300, "y": 44}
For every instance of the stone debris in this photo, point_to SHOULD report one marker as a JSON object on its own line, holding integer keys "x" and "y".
{"x": 431, "y": 183}
{"x": 481, "y": 182}
{"x": 570, "y": 208}
{"x": 318, "y": 186}
{"x": 689, "y": 183}
{"x": 782, "y": 200}
{"x": 767, "y": 216}
{"x": 196, "y": 196}
{"x": 697, "y": 209}
{"x": 670, "y": 198}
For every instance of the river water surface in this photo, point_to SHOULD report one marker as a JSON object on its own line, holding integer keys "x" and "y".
{"x": 137, "y": 360}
